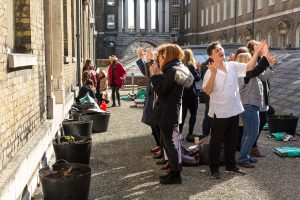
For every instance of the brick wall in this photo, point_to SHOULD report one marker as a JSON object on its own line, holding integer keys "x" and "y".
{"x": 22, "y": 96}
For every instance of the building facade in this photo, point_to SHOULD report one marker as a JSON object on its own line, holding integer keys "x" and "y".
{"x": 154, "y": 22}
{"x": 38, "y": 76}
{"x": 241, "y": 20}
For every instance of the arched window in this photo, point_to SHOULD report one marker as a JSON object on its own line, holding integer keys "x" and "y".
{"x": 270, "y": 38}
{"x": 298, "y": 36}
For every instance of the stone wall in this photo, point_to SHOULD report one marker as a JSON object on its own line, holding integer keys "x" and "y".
{"x": 22, "y": 96}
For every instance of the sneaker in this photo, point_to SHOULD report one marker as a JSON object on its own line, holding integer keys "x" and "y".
{"x": 235, "y": 170}
{"x": 215, "y": 175}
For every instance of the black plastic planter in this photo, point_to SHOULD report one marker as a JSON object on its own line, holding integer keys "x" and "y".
{"x": 283, "y": 123}
{"x": 100, "y": 120}
{"x": 80, "y": 127}
{"x": 75, "y": 187}
{"x": 73, "y": 153}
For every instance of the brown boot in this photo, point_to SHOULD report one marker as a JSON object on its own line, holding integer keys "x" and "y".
{"x": 256, "y": 153}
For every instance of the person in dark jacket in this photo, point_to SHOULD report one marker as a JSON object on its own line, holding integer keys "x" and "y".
{"x": 144, "y": 67}
{"x": 190, "y": 97}
{"x": 206, "y": 123}
{"x": 87, "y": 87}
{"x": 168, "y": 84}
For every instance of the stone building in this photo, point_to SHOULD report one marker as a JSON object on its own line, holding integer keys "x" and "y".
{"x": 38, "y": 76}
{"x": 241, "y": 20}
{"x": 155, "y": 22}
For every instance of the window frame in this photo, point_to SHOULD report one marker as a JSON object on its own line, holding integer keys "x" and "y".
{"x": 174, "y": 2}
{"x": 114, "y": 21}
{"x": 173, "y": 21}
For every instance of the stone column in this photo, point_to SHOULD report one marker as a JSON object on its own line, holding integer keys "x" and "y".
{"x": 137, "y": 15}
{"x": 146, "y": 14}
{"x": 126, "y": 16}
{"x": 57, "y": 62}
{"x": 167, "y": 15}
{"x": 120, "y": 15}
{"x": 156, "y": 15}
{"x": 149, "y": 16}
{"x": 160, "y": 15}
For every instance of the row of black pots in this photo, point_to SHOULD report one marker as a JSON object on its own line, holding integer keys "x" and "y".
{"x": 100, "y": 119}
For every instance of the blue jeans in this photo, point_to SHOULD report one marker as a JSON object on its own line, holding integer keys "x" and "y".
{"x": 251, "y": 126}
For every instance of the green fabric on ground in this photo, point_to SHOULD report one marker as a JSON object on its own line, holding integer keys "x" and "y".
{"x": 288, "y": 151}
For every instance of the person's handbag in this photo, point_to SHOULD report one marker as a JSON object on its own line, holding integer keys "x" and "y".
{"x": 203, "y": 97}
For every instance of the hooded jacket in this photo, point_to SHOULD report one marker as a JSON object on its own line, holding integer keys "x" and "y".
{"x": 169, "y": 88}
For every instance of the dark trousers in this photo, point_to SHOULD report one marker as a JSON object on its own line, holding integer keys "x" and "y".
{"x": 115, "y": 91}
{"x": 223, "y": 130}
{"x": 192, "y": 107}
{"x": 262, "y": 121}
{"x": 206, "y": 124}
{"x": 155, "y": 133}
{"x": 170, "y": 148}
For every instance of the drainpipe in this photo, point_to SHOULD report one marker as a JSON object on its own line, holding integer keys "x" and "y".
{"x": 253, "y": 17}
{"x": 235, "y": 11}
{"x": 89, "y": 31}
{"x": 78, "y": 42}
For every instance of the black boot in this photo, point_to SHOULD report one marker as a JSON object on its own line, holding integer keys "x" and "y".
{"x": 171, "y": 178}
{"x": 190, "y": 138}
{"x": 118, "y": 97}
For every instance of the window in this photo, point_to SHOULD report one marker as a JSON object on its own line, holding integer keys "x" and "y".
{"x": 212, "y": 15}
{"x": 218, "y": 12}
{"x": 206, "y": 16}
{"x": 258, "y": 36}
{"x": 225, "y": 10}
{"x": 240, "y": 8}
{"x": 189, "y": 19}
{"x": 175, "y": 2}
{"x": 270, "y": 38}
{"x": 10, "y": 23}
{"x": 259, "y": 4}
{"x": 249, "y": 6}
{"x": 298, "y": 37}
{"x": 271, "y": 2}
{"x": 175, "y": 21}
{"x": 185, "y": 20}
{"x": 111, "y": 22}
{"x": 110, "y": 2}
{"x": 232, "y": 8}
{"x": 202, "y": 17}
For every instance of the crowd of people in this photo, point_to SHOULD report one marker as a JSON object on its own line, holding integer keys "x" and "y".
{"x": 235, "y": 93}
{"x": 95, "y": 84}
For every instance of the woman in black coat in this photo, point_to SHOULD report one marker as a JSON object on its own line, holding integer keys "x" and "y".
{"x": 190, "y": 97}
{"x": 168, "y": 84}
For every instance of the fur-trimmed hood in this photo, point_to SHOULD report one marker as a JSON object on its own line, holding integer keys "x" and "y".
{"x": 183, "y": 76}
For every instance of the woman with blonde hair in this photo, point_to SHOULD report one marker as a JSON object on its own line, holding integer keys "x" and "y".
{"x": 190, "y": 98}
{"x": 168, "y": 84}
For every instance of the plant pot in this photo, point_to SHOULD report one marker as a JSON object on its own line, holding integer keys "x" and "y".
{"x": 83, "y": 106}
{"x": 76, "y": 114}
{"x": 74, "y": 153}
{"x": 282, "y": 123}
{"x": 80, "y": 127}
{"x": 100, "y": 120}
{"x": 75, "y": 187}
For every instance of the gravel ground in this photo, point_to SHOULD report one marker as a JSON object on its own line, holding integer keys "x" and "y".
{"x": 122, "y": 167}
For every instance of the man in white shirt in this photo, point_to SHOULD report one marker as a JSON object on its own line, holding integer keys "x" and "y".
{"x": 221, "y": 84}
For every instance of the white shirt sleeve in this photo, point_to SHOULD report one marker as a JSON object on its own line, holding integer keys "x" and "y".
{"x": 240, "y": 68}
{"x": 206, "y": 77}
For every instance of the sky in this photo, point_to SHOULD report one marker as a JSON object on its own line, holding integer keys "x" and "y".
{"x": 142, "y": 14}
